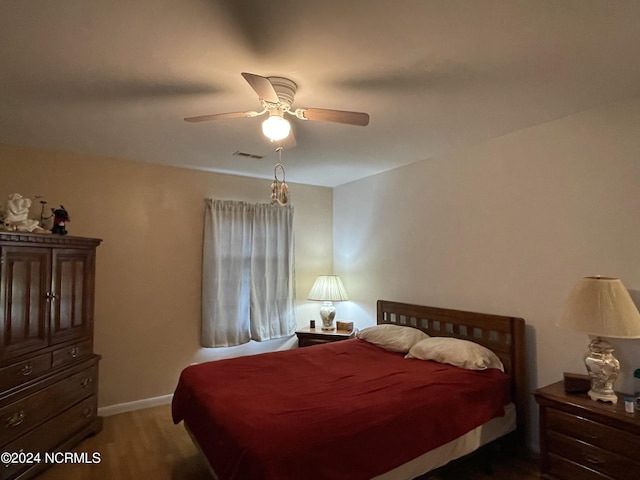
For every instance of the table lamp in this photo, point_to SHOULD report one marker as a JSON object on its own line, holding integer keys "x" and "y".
{"x": 601, "y": 307}
{"x": 328, "y": 289}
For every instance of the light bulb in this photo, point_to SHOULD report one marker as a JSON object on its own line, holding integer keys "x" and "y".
{"x": 276, "y": 128}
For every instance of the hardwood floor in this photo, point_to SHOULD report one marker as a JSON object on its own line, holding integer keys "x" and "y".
{"x": 505, "y": 468}
{"x": 141, "y": 445}
{"x": 146, "y": 445}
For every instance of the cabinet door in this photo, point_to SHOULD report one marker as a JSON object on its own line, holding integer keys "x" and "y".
{"x": 72, "y": 286}
{"x": 24, "y": 290}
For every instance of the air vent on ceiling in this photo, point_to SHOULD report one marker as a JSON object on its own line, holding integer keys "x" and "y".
{"x": 249, "y": 155}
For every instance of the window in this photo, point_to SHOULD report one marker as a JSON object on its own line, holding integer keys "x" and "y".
{"x": 248, "y": 281}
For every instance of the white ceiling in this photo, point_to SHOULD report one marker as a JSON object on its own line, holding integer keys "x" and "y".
{"x": 117, "y": 77}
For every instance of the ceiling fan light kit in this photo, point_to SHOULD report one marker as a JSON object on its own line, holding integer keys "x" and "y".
{"x": 276, "y": 127}
{"x": 276, "y": 95}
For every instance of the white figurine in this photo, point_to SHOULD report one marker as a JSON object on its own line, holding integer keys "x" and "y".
{"x": 16, "y": 214}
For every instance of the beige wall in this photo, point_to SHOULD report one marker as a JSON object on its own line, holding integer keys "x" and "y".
{"x": 147, "y": 319}
{"x": 505, "y": 227}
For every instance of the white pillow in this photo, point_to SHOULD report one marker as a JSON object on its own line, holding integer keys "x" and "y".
{"x": 454, "y": 351}
{"x": 395, "y": 338}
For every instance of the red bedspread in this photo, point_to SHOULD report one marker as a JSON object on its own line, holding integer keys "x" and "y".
{"x": 346, "y": 410}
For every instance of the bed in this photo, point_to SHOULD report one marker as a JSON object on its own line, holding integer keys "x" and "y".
{"x": 353, "y": 409}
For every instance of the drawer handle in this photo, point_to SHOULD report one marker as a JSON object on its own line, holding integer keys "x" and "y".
{"x": 51, "y": 296}
{"x": 86, "y": 382}
{"x": 74, "y": 352}
{"x": 87, "y": 412}
{"x": 15, "y": 419}
{"x": 27, "y": 369}
{"x": 594, "y": 460}
{"x": 593, "y": 435}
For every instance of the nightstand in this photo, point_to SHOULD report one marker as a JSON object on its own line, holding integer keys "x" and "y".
{"x": 316, "y": 336}
{"x": 582, "y": 438}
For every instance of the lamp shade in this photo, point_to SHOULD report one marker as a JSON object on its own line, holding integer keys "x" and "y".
{"x": 328, "y": 288}
{"x": 602, "y": 307}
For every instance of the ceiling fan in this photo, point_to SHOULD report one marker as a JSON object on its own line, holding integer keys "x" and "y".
{"x": 276, "y": 95}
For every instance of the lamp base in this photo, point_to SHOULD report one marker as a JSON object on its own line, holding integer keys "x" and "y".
{"x": 603, "y": 397}
{"x": 603, "y": 369}
{"x": 327, "y": 314}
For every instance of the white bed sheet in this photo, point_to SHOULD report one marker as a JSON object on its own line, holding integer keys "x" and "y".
{"x": 461, "y": 446}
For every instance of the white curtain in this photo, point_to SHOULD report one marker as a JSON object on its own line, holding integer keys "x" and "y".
{"x": 248, "y": 282}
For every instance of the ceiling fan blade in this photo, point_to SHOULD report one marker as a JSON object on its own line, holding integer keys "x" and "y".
{"x": 262, "y": 87}
{"x": 217, "y": 116}
{"x": 338, "y": 116}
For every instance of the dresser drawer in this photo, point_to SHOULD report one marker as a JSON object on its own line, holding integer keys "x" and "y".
{"x": 71, "y": 353}
{"x": 51, "y": 434}
{"x": 21, "y": 372}
{"x": 592, "y": 457}
{"x": 21, "y": 416}
{"x": 594, "y": 433}
{"x": 568, "y": 470}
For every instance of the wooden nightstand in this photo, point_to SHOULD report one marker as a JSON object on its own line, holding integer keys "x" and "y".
{"x": 585, "y": 439}
{"x": 316, "y": 336}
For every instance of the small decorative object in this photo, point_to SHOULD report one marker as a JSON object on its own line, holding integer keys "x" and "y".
{"x": 636, "y": 388}
{"x": 16, "y": 214}
{"x": 44, "y": 219}
{"x": 602, "y": 307}
{"x": 312, "y": 324}
{"x": 328, "y": 289}
{"x": 576, "y": 383}
{"x": 60, "y": 219}
{"x": 628, "y": 404}
{"x": 279, "y": 188}
{"x": 344, "y": 326}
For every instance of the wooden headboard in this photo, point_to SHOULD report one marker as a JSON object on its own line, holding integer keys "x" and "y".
{"x": 503, "y": 335}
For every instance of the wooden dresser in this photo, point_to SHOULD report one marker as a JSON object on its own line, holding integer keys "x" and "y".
{"x": 48, "y": 371}
{"x": 585, "y": 439}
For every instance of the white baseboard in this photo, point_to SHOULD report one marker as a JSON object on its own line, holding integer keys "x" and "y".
{"x": 136, "y": 405}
